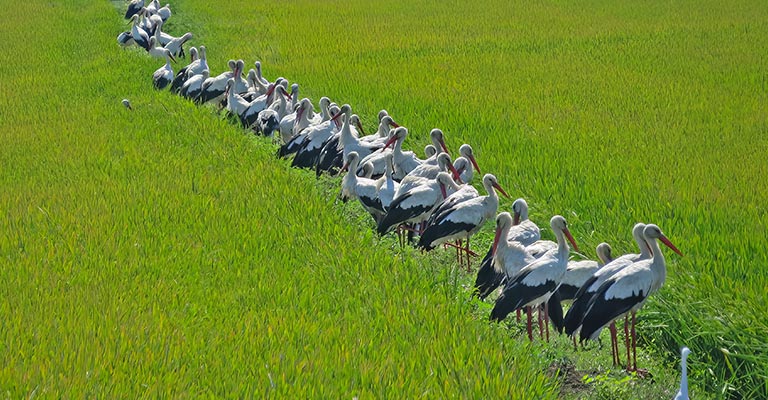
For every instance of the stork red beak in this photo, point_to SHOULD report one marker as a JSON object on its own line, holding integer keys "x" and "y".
{"x": 445, "y": 148}
{"x": 443, "y": 191}
{"x": 389, "y": 142}
{"x": 299, "y": 113}
{"x": 270, "y": 90}
{"x": 456, "y": 174}
{"x": 394, "y": 124}
{"x": 570, "y": 238}
{"x": 670, "y": 245}
{"x": 496, "y": 241}
{"x": 474, "y": 163}
{"x": 516, "y": 219}
{"x": 345, "y": 167}
{"x": 496, "y": 185}
{"x": 285, "y": 93}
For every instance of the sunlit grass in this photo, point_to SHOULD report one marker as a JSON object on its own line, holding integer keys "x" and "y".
{"x": 163, "y": 253}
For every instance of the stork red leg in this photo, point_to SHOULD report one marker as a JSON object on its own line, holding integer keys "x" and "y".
{"x": 546, "y": 319}
{"x": 530, "y": 323}
{"x": 614, "y": 344}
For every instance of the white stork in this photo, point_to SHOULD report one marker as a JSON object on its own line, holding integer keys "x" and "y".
{"x": 537, "y": 281}
{"x": 181, "y": 76}
{"x": 626, "y": 291}
{"x": 581, "y": 299}
{"x": 438, "y": 140}
{"x": 466, "y": 171}
{"x": 139, "y": 36}
{"x": 176, "y": 45}
{"x": 133, "y": 7}
{"x": 522, "y": 232}
{"x": 377, "y": 159}
{"x": 682, "y": 394}
{"x": 577, "y": 273}
{"x": 363, "y": 189}
{"x": 387, "y": 186}
{"x": 213, "y": 88}
{"x": 159, "y": 51}
{"x": 305, "y": 118}
{"x": 415, "y": 204}
{"x": 163, "y": 76}
{"x": 461, "y": 215}
{"x": 194, "y": 85}
{"x": 310, "y": 148}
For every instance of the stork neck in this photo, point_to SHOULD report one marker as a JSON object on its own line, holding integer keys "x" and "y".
{"x": 562, "y": 245}
{"x": 645, "y": 249}
{"x": 658, "y": 264}
{"x": 353, "y": 164}
{"x": 346, "y": 131}
{"x": 294, "y": 98}
{"x": 523, "y": 213}
{"x": 684, "y": 378}
{"x": 388, "y": 170}
{"x": 398, "y": 149}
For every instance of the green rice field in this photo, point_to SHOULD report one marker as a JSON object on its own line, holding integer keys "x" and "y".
{"x": 164, "y": 253}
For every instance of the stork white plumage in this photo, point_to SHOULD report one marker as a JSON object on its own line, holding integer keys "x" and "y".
{"x": 627, "y": 291}
{"x": 415, "y": 204}
{"x": 387, "y": 186}
{"x": 537, "y": 281}
{"x": 139, "y": 35}
{"x": 158, "y": 51}
{"x": 468, "y": 168}
{"x": 579, "y": 272}
{"x": 437, "y": 137}
{"x": 316, "y": 135}
{"x": 213, "y": 88}
{"x": 194, "y": 85}
{"x": 181, "y": 75}
{"x": 163, "y": 76}
{"x": 133, "y": 8}
{"x": 424, "y": 173}
{"x": 363, "y": 189}
{"x": 461, "y": 215}
{"x": 404, "y": 161}
{"x": 236, "y": 105}
{"x": 682, "y": 394}
{"x": 164, "y": 12}
{"x": 268, "y": 120}
{"x": 306, "y": 121}
{"x": 589, "y": 288}
{"x": 378, "y": 158}
{"x": 176, "y": 45}
{"x": 520, "y": 231}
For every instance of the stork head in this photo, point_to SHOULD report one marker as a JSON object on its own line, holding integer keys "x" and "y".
{"x": 653, "y": 232}
{"x": 558, "y": 224}
{"x": 520, "y": 208}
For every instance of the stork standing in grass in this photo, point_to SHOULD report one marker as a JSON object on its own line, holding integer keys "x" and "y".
{"x": 537, "y": 281}
{"x": 627, "y": 291}
{"x": 588, "y": 289}
{"x": 522, "y": 231}
{"x": 462, "y": 219}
